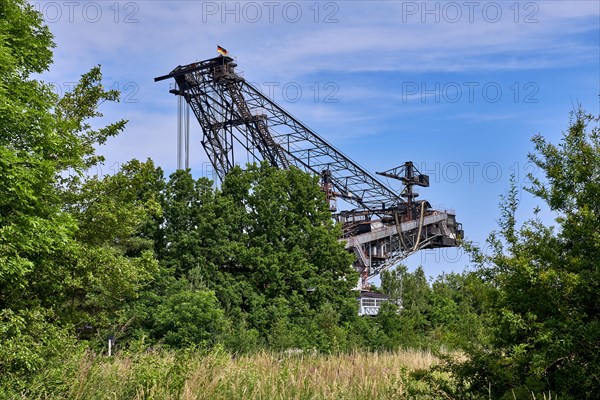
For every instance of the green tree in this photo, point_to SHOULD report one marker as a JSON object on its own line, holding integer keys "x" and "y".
{"x": 392, "y": 283}
{"x": 42, "y": 138}
{"x": 189, "y": 226}
{"x": 115, "y": 257}
{"x": 330, "y": 333}
{"x": 546, "y": 280}
{"x": 32, "y": 228}
{"x": 266, "y": 245}
{"x": 282, "y": 242}
{"x": 409, "y": 325}
{"x": 456, "y": 310}
{"x": 46, "y": 145}
{"x": 190, "y": 317}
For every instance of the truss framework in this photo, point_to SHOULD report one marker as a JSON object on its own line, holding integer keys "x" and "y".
{"x": 383, "y": 230}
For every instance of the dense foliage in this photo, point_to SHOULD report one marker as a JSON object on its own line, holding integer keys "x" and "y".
{"x": 261, "y": 254}
{"x": 543, "y": 282}
{"x": 172, "y": 264}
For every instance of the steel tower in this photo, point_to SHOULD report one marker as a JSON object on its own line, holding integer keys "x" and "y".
{"x": 381, "y": 231}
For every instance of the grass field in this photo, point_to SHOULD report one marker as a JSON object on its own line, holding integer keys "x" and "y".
{"x": 219, "y": 375}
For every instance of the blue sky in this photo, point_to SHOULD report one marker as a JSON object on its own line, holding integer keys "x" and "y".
{"x": 458, "y": 87}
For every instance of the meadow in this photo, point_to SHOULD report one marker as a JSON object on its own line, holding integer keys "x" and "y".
{"x": 221, "y": 375}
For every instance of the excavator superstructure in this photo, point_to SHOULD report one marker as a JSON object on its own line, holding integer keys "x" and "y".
{"x": 384, "y": 227}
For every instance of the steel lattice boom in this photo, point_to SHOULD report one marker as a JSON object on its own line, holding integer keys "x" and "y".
{"x": 233, "y": 113}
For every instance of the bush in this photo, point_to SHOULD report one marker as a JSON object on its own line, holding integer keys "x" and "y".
{"x": 32, "y": 342}
{"x": 190, "y": 318}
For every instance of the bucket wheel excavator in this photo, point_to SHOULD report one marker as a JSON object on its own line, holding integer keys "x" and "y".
{"x": 382, "y": 229}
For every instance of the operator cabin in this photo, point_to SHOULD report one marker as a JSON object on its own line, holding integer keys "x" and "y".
{"x": 370, "y": 302}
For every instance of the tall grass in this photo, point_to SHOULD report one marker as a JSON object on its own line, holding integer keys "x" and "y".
{"x": 269, "y": 376}
{"x": 219, "y": 375}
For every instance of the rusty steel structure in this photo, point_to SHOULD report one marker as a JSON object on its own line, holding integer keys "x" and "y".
{"x": 382, "y": 229}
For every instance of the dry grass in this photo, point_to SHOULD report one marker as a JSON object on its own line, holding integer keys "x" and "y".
{"x": 269, "y": 376}
{"x": 189, "y": 375}
{"x": 218, "y": 375}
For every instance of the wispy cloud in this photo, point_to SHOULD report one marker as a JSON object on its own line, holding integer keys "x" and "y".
{"x": 349, "y": 39}
{"x": 368, "y": 36}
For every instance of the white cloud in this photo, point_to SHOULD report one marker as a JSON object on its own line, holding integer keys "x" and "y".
{"x": 369, "y": 37}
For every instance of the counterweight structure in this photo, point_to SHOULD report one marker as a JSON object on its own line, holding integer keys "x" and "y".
{"x": 381, "y": 231}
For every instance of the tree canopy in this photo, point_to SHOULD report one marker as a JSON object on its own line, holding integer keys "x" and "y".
{"x": 544, "y": 280}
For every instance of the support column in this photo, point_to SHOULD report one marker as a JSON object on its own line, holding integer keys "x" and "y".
{"x": 187, "y": 134}
{"x": 179, "y": 131}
